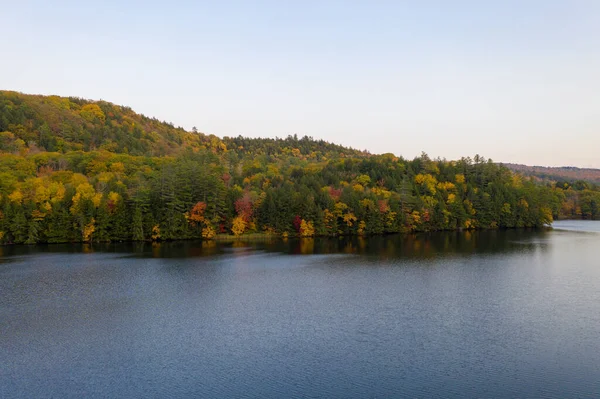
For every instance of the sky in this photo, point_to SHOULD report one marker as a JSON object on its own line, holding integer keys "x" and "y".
{"x": 514, "y": 81}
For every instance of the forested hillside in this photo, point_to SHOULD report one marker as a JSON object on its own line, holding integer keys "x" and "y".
{"x": 79, "y": 170}
{"x": 33, "y": 123}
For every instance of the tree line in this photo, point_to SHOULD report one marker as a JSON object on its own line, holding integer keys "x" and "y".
{"x": 70, "y": 173}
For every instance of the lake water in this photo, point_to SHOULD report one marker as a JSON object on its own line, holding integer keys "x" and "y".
{"x": 487, "y": 314}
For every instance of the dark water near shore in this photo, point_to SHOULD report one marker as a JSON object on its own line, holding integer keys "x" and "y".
{"x": 487, "y": 314}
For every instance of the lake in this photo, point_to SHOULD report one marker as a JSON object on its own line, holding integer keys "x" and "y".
{"x": 472, "y": 314}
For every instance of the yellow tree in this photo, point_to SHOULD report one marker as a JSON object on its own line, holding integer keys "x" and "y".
{"x": 427, "y": 181}
{"x": 208, "y": 232}
{"x": 307, "y": 229}
{"x": 88, "y": 230}
{"x": 155, "y": 233}
{"x": 91, "y": 112}
{"x": 239, "y": 226}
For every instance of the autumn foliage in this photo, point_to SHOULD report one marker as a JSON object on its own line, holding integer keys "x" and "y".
{"x": 196, "y": 215}
{"x": 74, "y": 170}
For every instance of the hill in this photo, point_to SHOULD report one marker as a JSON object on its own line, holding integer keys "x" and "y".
{"x": 63, "y": 124}
{"x": 565, "y": 173}
{"x": 81, "y": 170}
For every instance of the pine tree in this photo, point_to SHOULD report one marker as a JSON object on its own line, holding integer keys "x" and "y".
{"x": 137, "y": 227}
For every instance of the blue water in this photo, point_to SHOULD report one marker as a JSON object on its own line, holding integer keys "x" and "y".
{"x": 492, "y": 314}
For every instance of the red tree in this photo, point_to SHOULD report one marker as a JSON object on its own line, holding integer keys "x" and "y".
{"x": 243, "y": 207}
{"x": 297, "y": 223}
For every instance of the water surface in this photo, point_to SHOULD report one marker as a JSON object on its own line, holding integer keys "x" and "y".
{"x": 489, "y": 314}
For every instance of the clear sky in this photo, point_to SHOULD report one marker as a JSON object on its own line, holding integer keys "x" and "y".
{"x": 515, "y": 81}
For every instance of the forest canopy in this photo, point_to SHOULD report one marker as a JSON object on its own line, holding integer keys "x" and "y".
{"x": 78, "y": 170}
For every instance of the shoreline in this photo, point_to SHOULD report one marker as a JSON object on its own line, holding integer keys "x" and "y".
{"x": 258, "y": 237}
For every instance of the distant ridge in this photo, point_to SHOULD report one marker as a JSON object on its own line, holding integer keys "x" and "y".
{"x": 569, "y": 173}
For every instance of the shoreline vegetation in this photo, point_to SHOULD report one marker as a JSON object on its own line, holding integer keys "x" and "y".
{"x": 75, "y": 170}
{"x": 268, "y": 237}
